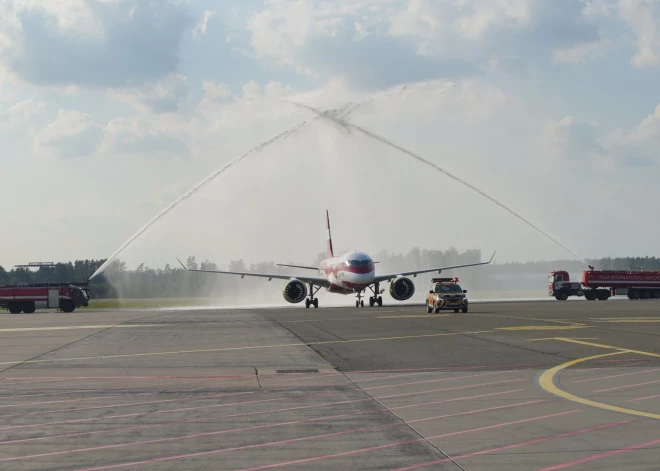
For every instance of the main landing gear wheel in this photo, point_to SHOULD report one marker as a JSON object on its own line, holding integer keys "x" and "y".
{"x": 312, "y": 301}
{"x": 429, "y": 308}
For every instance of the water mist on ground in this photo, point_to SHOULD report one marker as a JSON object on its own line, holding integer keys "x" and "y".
{"x": 270, "y": 207}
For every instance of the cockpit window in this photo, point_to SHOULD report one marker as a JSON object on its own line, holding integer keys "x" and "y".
{"x": 359, "y": 263}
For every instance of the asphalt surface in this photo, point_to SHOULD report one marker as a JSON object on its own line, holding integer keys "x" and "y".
{"x": 507, "y": 386}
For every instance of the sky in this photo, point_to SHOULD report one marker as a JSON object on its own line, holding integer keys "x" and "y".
{"x": 110, "y": 110}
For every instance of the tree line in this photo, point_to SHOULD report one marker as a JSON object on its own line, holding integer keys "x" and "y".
{"x": 146, "y": 282}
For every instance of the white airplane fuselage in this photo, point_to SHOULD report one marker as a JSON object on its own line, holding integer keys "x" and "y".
{"x": 348, "y": 273}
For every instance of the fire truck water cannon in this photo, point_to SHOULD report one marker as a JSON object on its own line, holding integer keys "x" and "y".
{"x": 603, "y": 284}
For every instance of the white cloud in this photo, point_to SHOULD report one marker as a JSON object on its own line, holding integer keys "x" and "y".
{"x": 637, "y": 146}
{"x": 322, "y": 39}
{"x": 360, "y": 31}
{"x": 72, "y": 134}
{"x": 643, "y": 17}
{"x": 161, "y": 96}
{"x": 150, "y": 136}
{"x": 18, "y": 115}
{"x": 100, "y": 43}
{"x": 581, "y": 53}
{"x": 571, "y": 139}
{"x": 202, "y": 26}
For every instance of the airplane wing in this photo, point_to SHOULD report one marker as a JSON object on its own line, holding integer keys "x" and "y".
{"x": 304, "y": 267}
{"x": 428, "y": 270}
{"x": 317, "y": 281}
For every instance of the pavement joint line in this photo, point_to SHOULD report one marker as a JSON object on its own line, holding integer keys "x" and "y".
{"x": 76, "y": 327}
{"x": 549, "y": 381}
{"x": 525, "y": 318}
{"x": 544, "y": 327}
{"x": 252, "y": 347}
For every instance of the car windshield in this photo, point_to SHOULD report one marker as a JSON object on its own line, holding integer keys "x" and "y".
{"x": 448, "y": 289}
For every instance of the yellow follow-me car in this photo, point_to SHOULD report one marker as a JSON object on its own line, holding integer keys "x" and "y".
{"x": 445, "y": 294}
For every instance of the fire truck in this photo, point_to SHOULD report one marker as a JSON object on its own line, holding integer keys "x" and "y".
{"x": 28, "y": 297}
{"x": 601, "y": 284}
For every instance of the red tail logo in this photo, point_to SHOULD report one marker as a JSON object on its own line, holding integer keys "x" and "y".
{"x": 330, "y": 251}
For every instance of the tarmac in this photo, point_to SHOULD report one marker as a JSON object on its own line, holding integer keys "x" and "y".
{"x": 508, "y": 386}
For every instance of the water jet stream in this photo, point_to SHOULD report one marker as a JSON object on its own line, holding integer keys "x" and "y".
{"x": 337, "y": 118}
{"x": 195, "y": 189}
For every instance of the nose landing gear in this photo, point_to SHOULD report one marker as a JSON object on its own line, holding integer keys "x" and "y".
{"x": 373, "y": 300}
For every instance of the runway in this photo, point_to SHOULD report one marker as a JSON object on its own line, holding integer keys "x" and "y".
{"x": 508, "y": 386}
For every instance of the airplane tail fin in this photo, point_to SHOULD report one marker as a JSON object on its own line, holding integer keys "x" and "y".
{"x": 330, "y": 251}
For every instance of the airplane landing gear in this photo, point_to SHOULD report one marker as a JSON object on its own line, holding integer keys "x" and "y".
{"x": 312, "y": 301}
{"x": 360, "y": 301}
{"x": 376, "y": 298}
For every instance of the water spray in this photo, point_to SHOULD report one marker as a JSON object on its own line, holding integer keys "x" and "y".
{"x": 194, "y": 190}
{"x": 337, "y": 118}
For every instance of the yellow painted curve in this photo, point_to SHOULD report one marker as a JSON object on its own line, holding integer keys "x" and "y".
{"x": 547, "y": 382}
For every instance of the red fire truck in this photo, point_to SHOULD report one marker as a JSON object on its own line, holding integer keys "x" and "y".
{"x": 30, "y": 296}
{"x": 601, "y": 285}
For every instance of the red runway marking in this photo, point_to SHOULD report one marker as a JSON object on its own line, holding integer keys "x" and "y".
{"x": 69, "y": 400}
{"x": 271, "y": 411}
{"x": 72, "y": 421}
{"x": 516, "y": 445}
{"x": 390, "y": 445}
{"x": 436, "y": 380}
{"x": 627, "y": 386}
{"x": 428, "y": 391}
{"x": 449, "y": 389}
{"x": 125, "y": 405}
{"x": 220, "y": 432}
{"x": 445, "y": 368}
{"x": 441, "y": 370}
{"x": 644, "y": 398}
{"x": 617, "y": 376}
{"x": 570, "y": 464}
{"x": 197, "y": 435}
{"x": 325, "y": 435}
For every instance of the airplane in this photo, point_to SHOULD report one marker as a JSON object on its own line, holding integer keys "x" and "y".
{"x": 350, "y": 273}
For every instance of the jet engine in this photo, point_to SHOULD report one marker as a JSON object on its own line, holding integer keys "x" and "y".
{"x": 294, "y": 291}
{"x": 402, "y": 289}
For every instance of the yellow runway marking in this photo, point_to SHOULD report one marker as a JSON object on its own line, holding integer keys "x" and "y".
{"x": 254, "y": 347}
{"x": 609, "y": 347}
{"x": 414, "y": 315}
{"x": 544, "y": 327}
{"x": 74, "y": 327}
{"x": 635, "y": 321}
{"x": 556, "y": 338}
{"x": 548, "y": 380}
